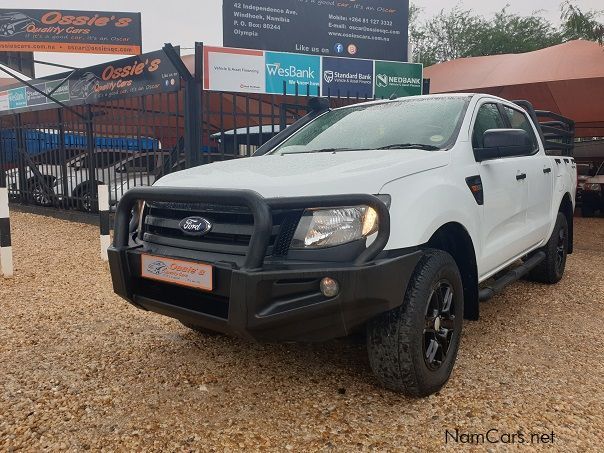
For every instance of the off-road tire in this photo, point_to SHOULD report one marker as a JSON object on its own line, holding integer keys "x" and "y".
{"x": 396, "y": 339}
{"x": 550, "y": 270}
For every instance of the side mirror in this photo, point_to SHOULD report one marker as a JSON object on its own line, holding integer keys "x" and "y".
{"x": 504, "y": 143}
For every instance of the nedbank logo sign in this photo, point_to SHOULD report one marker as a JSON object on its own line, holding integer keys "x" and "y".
{"x": 291, "y": 69}
{"x": 399, "y": 79}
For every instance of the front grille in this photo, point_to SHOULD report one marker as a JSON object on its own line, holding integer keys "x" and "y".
{"x": 232, "y": 228}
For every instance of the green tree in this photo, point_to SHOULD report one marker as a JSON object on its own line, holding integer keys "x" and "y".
{"x": 577, "y": 24}
{"x": 459, "y": 32}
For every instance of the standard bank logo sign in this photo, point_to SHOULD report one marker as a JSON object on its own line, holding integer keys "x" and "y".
{"x": 347, "y": 77}
{"x": 305, "y": 70}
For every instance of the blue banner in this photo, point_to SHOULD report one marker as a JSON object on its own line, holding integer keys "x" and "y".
{"x": 290, "y": 69}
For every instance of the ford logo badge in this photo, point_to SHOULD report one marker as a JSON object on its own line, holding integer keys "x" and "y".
{"x": 195, "y": 226}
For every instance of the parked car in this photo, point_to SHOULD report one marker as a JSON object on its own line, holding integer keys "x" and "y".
{"x": 391, "y": 217}
{"x": 120, "y": 170}
{"x": 592, "y": 190}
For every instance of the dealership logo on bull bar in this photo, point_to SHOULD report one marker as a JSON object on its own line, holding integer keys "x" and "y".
{"x": 384, "y": 80}
{"x": 195, "y": 226}
{"x": 275, "y": 69}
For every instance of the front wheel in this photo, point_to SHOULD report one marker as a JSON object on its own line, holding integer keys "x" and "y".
{"x": 412, "y": 349}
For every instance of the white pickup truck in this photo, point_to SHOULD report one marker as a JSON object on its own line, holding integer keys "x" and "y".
{"x": 390, "y": 217}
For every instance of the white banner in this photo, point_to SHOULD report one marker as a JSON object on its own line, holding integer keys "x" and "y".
{"x": 234, "y": 70}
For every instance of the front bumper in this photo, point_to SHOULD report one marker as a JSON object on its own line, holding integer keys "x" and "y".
{"x": 266, "y": 299}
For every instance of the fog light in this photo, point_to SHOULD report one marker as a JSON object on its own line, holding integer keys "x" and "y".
{"x": 330, "y": 287}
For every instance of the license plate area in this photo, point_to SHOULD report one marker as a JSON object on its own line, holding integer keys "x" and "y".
{"x": 177, "y": 272}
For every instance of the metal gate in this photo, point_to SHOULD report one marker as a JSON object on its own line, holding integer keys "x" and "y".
{"x": 58, "y": 156}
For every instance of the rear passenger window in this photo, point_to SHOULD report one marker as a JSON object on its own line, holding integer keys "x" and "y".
{"x": 519, "y": 120}
{"x": 488, "y": 118}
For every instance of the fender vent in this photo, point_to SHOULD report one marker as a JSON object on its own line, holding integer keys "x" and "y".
{"x": 475, "y": 185}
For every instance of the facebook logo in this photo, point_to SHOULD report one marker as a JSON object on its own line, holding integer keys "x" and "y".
{"x": 339, "y": 48}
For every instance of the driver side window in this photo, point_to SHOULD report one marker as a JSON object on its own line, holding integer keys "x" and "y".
{"x": 488, "y": 118}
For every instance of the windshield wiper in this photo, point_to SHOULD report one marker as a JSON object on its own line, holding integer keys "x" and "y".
{"x": 324, "y": 150}
{"x": 411, "y": 146}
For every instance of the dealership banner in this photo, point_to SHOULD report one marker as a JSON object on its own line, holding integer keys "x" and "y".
{"x": 343, "y": 77}
{"x": 369, "y": 29}
{"x": 397, "y": 79}
{"x": 149, "y": 73}
{"x": 59, "y": 30}
{"x": 253, "y": 71}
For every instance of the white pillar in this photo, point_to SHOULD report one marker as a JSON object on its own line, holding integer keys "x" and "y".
{"x": 105, "y": 241}
{"x": 6, "y": 249}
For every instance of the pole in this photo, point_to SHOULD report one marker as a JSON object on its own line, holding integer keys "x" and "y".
{"x": 103, "y": 191}
{"x": 6, "y": 250}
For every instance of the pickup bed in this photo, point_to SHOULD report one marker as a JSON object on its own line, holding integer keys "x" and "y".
{"x": 393, "y": 218}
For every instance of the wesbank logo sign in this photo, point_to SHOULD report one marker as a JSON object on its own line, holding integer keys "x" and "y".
{"x": 292, "y": 69}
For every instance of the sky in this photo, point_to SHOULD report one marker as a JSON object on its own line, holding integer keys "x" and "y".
{"x": 182, "y": 22}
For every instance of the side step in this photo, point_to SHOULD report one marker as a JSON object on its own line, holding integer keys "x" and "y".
{"x": 512, "y": 276}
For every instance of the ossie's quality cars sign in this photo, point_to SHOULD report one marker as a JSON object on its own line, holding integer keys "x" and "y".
{"x": 54, "y": 30}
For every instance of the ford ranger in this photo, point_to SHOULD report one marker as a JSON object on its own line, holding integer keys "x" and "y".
{"x": 394, "y": 218}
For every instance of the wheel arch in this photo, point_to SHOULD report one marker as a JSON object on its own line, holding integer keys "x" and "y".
{"x": 454, "y": 239}
{"x": 566, "y": 208}
{"x": 80, "y": 186}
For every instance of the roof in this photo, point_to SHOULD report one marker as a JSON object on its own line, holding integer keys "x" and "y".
{"x": 564, "y": 79}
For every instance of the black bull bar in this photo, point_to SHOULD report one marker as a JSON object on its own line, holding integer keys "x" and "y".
{"x": 261, "y": 211}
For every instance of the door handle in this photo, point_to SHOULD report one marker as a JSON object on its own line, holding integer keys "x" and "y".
{"x": 520, "y": 177}
{"x": 547, "y": 170}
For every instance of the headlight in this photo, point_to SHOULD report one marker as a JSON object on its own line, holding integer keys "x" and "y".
{"x": 593, "y": 187}
{"x": 319, "y": 228}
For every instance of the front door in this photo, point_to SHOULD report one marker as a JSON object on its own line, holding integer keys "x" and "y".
{"x": 505, "y": 196}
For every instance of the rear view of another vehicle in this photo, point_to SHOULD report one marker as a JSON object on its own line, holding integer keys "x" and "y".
{"x": 592, "y": 193}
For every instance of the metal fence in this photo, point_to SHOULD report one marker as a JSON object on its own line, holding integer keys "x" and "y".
{"x": 58, "y": 156}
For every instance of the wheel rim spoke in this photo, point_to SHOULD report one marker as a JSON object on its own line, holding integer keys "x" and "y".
{"x": 439, "y": 324}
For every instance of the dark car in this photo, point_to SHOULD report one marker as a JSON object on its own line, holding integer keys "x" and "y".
{"x": 14, "y": 23}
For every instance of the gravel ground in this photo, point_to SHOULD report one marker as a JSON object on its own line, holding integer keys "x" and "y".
{"x": 81, "y": 369}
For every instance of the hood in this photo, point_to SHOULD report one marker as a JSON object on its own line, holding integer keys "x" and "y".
{"x": 310, "y": 174}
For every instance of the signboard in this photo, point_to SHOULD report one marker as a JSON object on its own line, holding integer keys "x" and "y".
{"x": 398, "y": 79}
{"x": 346, "y": 77}
{"x": 234, "y": 70}
{"x": 371, "y": 29}
{"x": 133, "y": 76}
{"x": 254, "y": 71}
{"x": 53, "y": 30}
{"x": 288, "y": 69}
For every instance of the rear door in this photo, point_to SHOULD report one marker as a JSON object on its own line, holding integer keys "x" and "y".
{"x": 539, "y": 177}
{"x": 505, "y": 196}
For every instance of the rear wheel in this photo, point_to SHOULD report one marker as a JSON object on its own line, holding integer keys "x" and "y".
{"x": 551, "y": 269}
{"x": 412, "y": 349}
{"x": 86, "y": 200}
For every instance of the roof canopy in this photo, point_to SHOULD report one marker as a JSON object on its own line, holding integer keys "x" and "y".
{"x": 567, "y": 79}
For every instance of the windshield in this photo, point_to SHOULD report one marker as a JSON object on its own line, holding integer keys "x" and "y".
{"x": 420, "y": 123}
